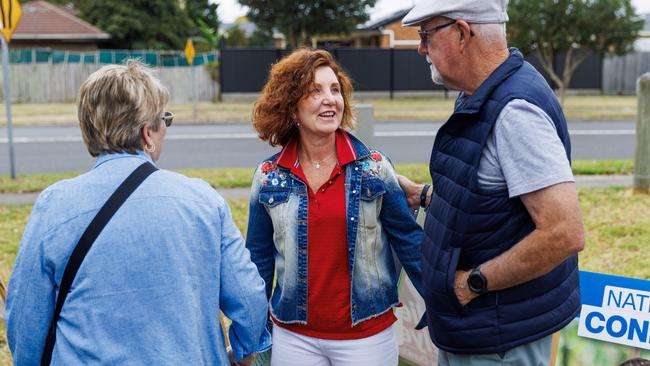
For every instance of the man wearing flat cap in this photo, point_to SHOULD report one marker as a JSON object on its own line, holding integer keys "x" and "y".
{"x": 503, "y": 225}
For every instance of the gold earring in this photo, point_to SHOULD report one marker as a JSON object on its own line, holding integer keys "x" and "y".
{"x": 151, "y": 149}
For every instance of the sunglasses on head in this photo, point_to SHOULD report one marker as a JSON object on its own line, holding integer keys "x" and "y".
{"x": 168, "y": 117}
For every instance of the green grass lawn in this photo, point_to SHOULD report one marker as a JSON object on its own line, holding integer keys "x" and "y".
{"x": 599, "y": 108}
{"x": 241, "y": 177}
{"x": 617, "y": 226}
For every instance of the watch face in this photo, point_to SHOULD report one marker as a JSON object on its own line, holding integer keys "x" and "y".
{"x": 476, "y": 282}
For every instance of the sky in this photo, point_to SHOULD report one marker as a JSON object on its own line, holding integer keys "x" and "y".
{"x": 229, "y": 10}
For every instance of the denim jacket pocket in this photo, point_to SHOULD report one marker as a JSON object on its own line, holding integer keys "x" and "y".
{"x": 371, "y": 188}
{"x": 271, "y": 197}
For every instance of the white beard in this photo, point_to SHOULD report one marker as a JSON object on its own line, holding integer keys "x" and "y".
{"x": 435, "y": 74}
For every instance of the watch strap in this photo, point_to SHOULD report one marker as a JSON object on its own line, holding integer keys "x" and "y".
{"x": 423, "y": 195}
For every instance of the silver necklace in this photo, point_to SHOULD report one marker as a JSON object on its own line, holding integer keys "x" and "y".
{"x": 317, "y": 164}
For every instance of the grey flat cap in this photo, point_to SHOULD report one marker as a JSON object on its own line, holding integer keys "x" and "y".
{"x": 472, "y": 11}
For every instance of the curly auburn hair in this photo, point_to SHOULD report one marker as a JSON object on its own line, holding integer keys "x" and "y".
{"x": 289, "y": 81}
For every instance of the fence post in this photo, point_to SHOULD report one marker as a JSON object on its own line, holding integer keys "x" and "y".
{"x": 642, "y": 156}
{"x": 365, "y": 126}
{"x": 391, "y": 73}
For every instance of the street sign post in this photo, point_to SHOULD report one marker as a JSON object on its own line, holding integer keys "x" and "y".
{"x": 189, "y": 54}
{"x": 10, "y": 12}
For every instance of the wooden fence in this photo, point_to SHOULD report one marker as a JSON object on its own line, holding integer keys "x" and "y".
{"x": 59, "y": 83}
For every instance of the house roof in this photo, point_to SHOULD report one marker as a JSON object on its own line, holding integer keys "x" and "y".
{"x": 44, "y": 21}
{"x": 383, "y": 21}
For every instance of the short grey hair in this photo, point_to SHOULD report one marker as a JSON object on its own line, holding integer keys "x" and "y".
{"x": 115, "y": 103}
{"x": 490, "y": 33}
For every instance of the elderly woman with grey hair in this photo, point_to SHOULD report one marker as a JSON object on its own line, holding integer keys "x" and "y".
{"x": 128, "y": 263}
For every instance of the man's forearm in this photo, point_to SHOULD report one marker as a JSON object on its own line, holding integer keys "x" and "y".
{"x": 558, "y": 235}
{"x": 536, "y": 255}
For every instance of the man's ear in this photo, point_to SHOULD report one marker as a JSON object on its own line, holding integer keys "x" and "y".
{"x": 464, "y": 33}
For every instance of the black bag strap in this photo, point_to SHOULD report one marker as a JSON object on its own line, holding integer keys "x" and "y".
{"x": 87, "y": 239}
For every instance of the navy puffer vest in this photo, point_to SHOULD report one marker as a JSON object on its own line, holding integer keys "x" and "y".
{"x": 467, "y": 226}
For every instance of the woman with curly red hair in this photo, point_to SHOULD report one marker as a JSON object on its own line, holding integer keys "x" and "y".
{"x": 324, "y": 214}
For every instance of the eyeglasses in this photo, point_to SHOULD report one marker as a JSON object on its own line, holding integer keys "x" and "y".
{"x": 168, "y": 117}
{"x": 424, "y": 33}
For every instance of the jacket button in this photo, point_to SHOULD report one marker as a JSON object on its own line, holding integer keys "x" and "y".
{"x": 354, "y": 191}
{"x": 271, "y": 200}
{"x": 351, "y": 218}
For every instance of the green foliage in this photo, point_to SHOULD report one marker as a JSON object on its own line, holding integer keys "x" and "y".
{"x": 300, "y": 20}
{"x": 573, "y": 28}
{"x": 139, "y": 24}
{"x": 208, "y": 38}
{"x": 206, "y": 24}
{"x": 72, "y": 3}
{"x": 203, "y": 10}
{"x": 213, "y": 70}
{"x": 260, "y": 38}
{"x": 236, "y": 37}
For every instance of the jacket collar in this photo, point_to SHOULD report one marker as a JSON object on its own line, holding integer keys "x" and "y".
{"x": 474, "y": 102}
{"x": 108, "y": 156}
{"x": 349, "y": 149}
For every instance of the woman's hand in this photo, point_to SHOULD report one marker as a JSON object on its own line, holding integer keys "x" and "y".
{"x": 248, "y": 361}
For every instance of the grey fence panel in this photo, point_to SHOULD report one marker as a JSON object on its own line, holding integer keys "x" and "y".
{"x": 374, "y": 69}
{"x": 412, "y": 72}
{"x": 368, "y": 67}
{"x": 620, "y": 73}
{"x": 59, "y": 83}
{"x": 588, "y": 75}
{"x": 245, "y": 70}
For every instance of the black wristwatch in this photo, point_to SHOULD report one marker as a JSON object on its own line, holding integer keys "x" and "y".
{"x": 423, "y": 196}
{"x": 477, "y": 282}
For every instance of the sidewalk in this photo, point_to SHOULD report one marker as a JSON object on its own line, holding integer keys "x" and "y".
{"x": 583, "y": 181}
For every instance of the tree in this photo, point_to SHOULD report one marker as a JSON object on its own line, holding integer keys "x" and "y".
{"x": 260, "y": 38}
{"x": 139, "y": 24}
{"x": 575, "y": 29}
{"x": 300, "y": 20}
{"x": 208, "y": 38}
{"x": 236, "y": 37}
{"x": 206, "y": 35}
{"x": 203, "y": 10}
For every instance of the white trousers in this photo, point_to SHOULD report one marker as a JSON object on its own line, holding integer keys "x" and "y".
{"x": 293, "y": 349}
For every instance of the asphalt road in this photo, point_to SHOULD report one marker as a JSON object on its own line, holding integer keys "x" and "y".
{"x": 61, "y": 149}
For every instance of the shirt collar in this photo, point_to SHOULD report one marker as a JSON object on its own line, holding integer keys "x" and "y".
{"x": 288, "y": 157}
{"x": 108, "y": 156}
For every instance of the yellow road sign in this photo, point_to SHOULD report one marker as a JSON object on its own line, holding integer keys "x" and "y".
{"x": 189, "y": 52}
{"x": 10, "y": 11}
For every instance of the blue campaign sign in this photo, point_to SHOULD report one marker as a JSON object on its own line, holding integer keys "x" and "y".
{"x": 615, "y": 309}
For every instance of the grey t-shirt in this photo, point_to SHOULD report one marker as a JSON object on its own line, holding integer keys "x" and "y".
{"x": 523, "y": 152}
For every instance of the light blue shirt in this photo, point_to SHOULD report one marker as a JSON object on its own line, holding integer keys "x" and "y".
{"x": 151, "y": 287}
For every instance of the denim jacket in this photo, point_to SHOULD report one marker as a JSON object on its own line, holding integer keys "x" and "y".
{"x": 149, "y": 290}
{"x": 378, "y": 219}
